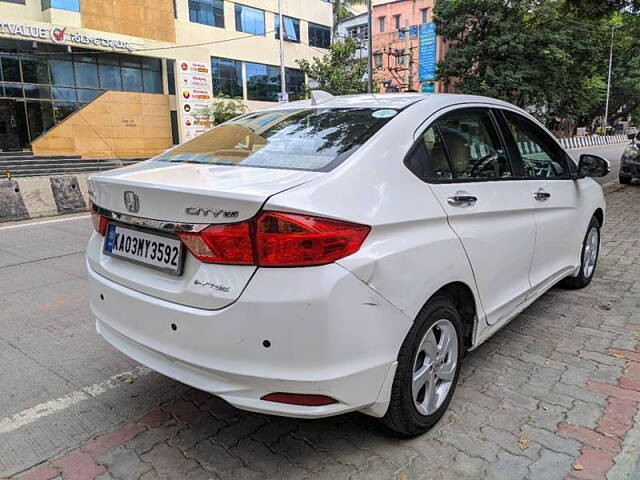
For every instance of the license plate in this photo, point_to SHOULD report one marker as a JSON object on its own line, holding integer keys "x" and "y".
{"x": 149, "y": 249}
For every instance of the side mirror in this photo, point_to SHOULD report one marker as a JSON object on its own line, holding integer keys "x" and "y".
{"x": 593, "y": 166}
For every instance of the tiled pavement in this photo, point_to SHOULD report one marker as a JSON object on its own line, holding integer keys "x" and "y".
{"x": 551, "y": 396}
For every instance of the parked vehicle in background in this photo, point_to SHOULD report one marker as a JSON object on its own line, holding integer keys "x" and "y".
{"x": 630, "y": 162}
{"x": 340, "y": 253}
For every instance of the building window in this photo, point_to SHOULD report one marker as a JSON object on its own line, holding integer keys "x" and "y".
{"x": 396, "y": 22}
{"x": 39, "y": 117}
{"x": 319, "y": 36}
{"x": 291, "y": 28}
{"x": 226, "y": 77}
{"x": 11, "y": 69}
{"x": 295, "y": 83}
{"x": 171, "y": 76}
{"x": 151, "y": 81}
{"x": 381, "y": 24}
{"x": 174, "y": 127}
{"x": 207, "y": 12}
{"x": 263, "y": 82}
{"x": 249, "y": 20}
{"x": 71, "y": 5}
{"x": 35, "y": 70}
{"x": 424, "y": 15}
{"x": 132, "y": 79}
{"x": 110, "y": 77}
{"x": 377, "y": 60}
{"x": 359, "y": 32}
{"x": 86, "y": 74}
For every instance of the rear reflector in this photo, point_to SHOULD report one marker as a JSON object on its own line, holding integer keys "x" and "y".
{"x": 99, "y": 223}
{"x": 277, "y": 239}
{"x": 300, "y": 399}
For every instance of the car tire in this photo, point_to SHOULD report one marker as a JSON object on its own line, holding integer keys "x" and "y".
{"x": 588, "y": 259}
{"x": 411, "y": 411}
{"x": 624, "y": 180}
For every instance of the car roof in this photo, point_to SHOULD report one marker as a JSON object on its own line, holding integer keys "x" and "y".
{"x": 391, "y": 100}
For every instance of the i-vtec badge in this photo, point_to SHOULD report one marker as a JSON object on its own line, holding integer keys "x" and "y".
{"x": 215, "y": 286}
{"x": 214, "y": 212}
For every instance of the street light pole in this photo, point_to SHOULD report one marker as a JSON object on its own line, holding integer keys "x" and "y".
{"x": 370, "y": 47}
{"x": 283, "y": 81}
{"x": 606, "y": 111}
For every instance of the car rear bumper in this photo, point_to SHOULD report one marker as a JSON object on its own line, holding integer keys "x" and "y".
{"x": 327, "y": 332}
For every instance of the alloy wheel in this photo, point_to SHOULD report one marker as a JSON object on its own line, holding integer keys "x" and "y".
{"x": 590, "y": 256}
{"x": 435, "y": 367}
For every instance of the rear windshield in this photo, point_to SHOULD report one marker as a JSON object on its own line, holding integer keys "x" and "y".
{"x": 301, "y": 139}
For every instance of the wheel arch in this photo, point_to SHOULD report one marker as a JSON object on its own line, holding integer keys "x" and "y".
{"x": 464, "y": 299}
{"x": 599, "y": 214}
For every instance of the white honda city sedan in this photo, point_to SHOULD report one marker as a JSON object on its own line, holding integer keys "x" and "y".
{"x": 340, "y": 253}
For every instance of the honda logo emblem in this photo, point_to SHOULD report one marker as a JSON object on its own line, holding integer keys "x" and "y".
{"x": 131, "y": 201}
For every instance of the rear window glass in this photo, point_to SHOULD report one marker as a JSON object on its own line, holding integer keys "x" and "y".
{"x": 301, "y": 139}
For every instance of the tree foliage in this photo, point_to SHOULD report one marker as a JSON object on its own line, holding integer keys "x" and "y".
{"x": 222, "y": 109}
{"x": 625, "y": 79}
{"x": 338, "y": 72}
{"x": 599, "y": 8}
{"x": 342, "y": 10}
{"x": 539, "y": 54}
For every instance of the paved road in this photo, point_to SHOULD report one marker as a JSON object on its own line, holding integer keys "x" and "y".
{"x": 553, "y": 394}
{"x": 610, "y": 152}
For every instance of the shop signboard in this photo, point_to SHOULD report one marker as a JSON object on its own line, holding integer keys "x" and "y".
{"x": 61, "y": 36}
{"x": 428, "y": 87}
{"x": 195, "y": 95}
{"x": 413, "y": 31}
{"x": 427, "y": 58}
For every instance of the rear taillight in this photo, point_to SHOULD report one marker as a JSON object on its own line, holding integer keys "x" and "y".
{"x": 289, "y": 240}
{"x": 224, "y": 243}
{"x": 99, "y": 222}
{"x": 277, "y": 239}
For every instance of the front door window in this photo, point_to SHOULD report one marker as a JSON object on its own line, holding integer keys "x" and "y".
{"x": 541, "y": 156}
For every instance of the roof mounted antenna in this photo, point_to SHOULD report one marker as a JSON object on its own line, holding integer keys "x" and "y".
{"x": 320, "y": 96}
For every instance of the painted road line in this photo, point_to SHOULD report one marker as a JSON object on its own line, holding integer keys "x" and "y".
{"x": 33, "y": 414}
{"x": 44, "y": 222}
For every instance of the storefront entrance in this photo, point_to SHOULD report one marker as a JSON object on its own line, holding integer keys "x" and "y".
{"x": 13, "y": 126}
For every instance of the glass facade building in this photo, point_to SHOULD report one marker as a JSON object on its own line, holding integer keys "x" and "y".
{"x": 40, "y": 87}
{"x": 58, "y": 56}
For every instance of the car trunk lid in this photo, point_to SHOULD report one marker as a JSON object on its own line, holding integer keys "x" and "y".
{"x": 184, "y": 193}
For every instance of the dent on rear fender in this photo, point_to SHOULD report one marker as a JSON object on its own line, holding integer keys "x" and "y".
{"x": 367, "y": 279}
{"x": 406, "y": 270}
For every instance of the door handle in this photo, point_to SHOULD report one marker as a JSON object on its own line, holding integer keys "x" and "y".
{"x": 541, "y": 196}
{"x": 462, "y": 200}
